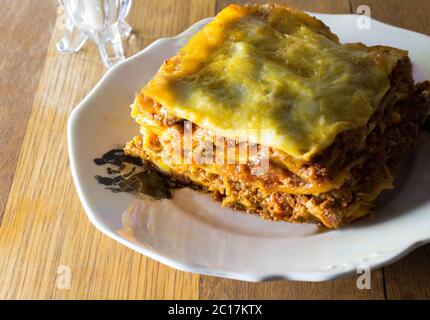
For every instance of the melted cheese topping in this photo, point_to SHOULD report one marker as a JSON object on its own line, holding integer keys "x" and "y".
{"x": 278, "y": 71}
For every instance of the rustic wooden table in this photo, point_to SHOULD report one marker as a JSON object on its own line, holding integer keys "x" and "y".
{"x": 42, "y": 223}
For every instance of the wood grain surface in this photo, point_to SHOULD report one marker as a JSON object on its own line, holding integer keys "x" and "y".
{"x": 23, "y": 47}
{"x": 44, "y": 226}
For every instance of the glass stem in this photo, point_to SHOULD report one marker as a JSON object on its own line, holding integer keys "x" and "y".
{"x": 73, "y": 39}
{"x": 110, "y": 46}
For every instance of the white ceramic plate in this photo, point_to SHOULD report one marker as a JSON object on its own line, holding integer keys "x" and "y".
{"x": 192, "y": 233}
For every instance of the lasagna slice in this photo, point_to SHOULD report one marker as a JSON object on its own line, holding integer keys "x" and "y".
{"x": 266, "y": 109}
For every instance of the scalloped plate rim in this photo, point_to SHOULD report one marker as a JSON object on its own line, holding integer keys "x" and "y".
{"x": 382, "y": 260}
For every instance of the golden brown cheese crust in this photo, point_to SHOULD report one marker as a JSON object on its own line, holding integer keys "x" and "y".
{"x": 276, "y": 71}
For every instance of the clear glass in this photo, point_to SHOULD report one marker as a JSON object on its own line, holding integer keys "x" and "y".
{"x": 102, "y": 21}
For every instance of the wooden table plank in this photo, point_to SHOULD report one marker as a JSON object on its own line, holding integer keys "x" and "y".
{"x": 212, "y": 288}
{"x": 44, "y": 226}
{"x": 410, "y": 14}
{"x": 410, "y": 277}
{"x": 325, "y": 6}
{"x": 346, "y": 288}
{"x": 25, "y": 30}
